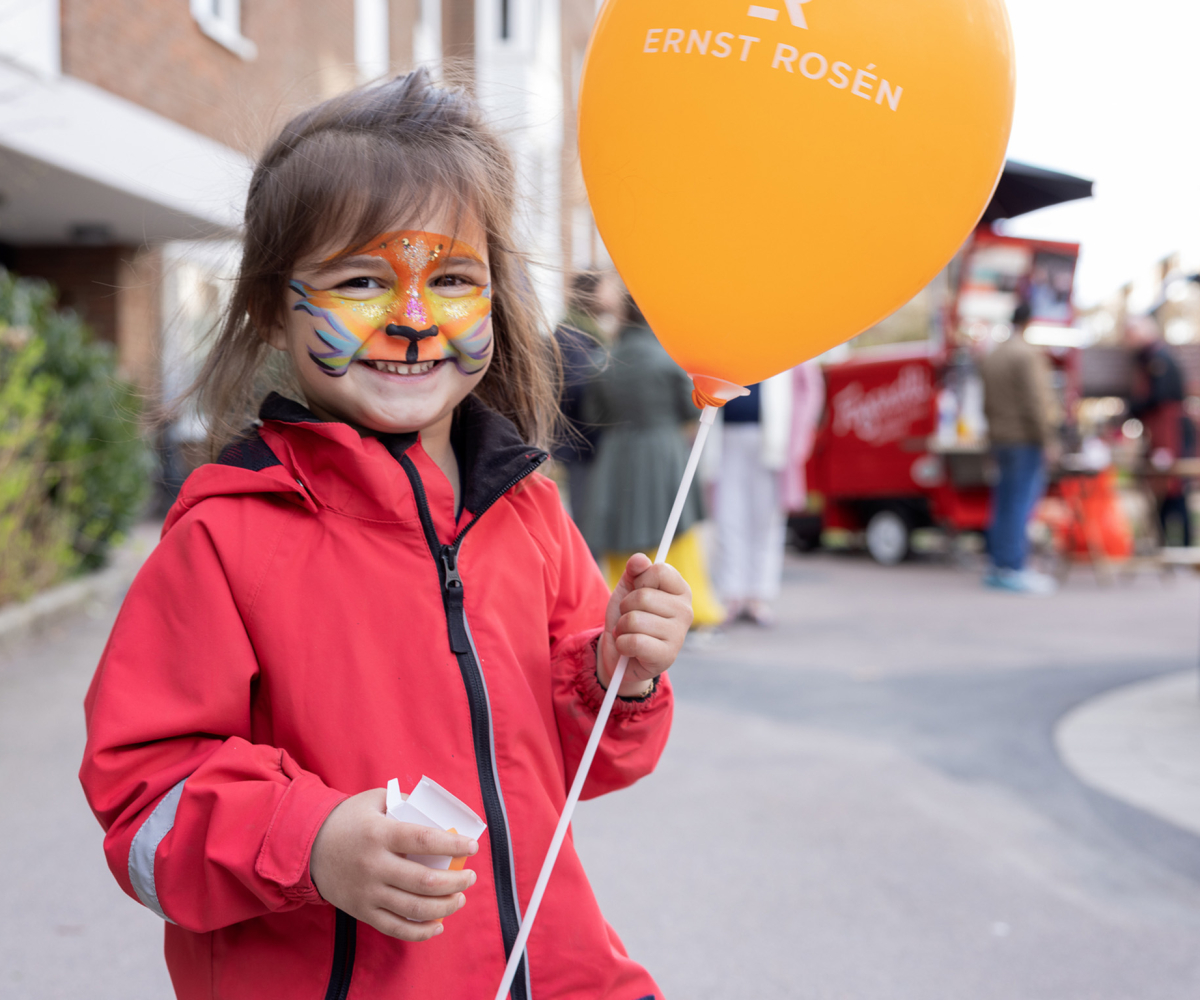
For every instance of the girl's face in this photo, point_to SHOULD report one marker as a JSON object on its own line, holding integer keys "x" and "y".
{"x": 393, "y": 335}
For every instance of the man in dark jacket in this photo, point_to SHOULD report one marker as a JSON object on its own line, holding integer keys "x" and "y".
{"x": 1021, "y": 410}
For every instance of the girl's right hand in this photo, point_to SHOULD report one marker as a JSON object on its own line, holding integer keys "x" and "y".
{"x": 356, "y": 865}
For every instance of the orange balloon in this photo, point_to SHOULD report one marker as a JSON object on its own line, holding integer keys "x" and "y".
{"x": 773, "y": 180}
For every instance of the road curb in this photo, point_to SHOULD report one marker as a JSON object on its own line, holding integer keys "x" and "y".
{"x": 20, "y": 622}
{"x": 1140, "y": 744}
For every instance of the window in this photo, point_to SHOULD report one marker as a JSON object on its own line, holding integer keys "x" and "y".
{"x": 371, "y": 50}
{"x": 221, "y": 20}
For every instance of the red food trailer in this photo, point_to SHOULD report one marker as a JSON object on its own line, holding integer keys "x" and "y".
{"x": 876, "y": 464}
{"x": 894, "y": 454}
{"x": 902, "y": 443}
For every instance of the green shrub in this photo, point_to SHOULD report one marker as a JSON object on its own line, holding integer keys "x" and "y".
{"x": 74, "y": 469}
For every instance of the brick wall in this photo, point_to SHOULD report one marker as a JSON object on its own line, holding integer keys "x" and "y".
{"x": 139, "y": 301}
{"x": 86, "y": 279}
{"x": 115, "y": 291}
{"x": 153, "y": 53}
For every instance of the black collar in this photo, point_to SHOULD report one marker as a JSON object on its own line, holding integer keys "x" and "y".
{"x": 286, "y": 411}
{"x": 491, "y": 455}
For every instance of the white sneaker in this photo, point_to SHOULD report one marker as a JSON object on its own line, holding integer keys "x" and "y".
{"x": 1038, "y": 583}
{"x": 1021, "y": 581}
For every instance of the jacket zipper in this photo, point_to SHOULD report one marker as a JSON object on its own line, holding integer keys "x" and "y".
{"x": 445, "y": 557}
{"x": 345, "y": 935}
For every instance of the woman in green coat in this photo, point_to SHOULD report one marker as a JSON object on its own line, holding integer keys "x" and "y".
{"x": 640, "y": 403}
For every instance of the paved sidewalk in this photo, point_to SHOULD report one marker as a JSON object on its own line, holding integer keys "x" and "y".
{"x": 67, "y": 932}
{"x": 1141, "y": 744}
{"x": 90, "y": 595}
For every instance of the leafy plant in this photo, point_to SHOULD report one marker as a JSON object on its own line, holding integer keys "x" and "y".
{"x": 74, "y": 469}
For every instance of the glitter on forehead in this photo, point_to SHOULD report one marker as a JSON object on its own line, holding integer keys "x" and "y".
{"x": 417, "y": 255}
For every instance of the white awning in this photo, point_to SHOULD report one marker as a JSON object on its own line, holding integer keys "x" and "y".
{"x": 75, "y": 159}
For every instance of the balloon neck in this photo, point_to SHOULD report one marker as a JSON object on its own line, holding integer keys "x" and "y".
{"x": 710, "y": 391}
{"x": 702, "y": 399}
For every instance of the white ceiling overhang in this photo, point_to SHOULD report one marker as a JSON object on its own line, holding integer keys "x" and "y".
{"x": 76, "y": 159}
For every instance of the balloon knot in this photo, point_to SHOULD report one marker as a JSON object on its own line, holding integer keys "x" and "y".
{"x": 701, "y": 399}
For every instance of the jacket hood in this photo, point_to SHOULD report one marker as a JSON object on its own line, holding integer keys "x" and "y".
{"x": 317, "y": 463}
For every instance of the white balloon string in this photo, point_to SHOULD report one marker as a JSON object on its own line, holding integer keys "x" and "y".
{"x": 610, "y": 696}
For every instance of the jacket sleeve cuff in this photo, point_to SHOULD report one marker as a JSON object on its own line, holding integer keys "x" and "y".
{"x": 581, "y": 651}
{"x": 287, "y": 847}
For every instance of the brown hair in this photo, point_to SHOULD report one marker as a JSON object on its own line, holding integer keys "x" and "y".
{"x": 343, "y": 171}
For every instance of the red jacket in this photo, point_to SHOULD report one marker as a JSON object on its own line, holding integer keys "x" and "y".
{"x": 316, "y": 621}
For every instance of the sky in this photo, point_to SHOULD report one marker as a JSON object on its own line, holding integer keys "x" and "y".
{"x": 1108, "y": 90}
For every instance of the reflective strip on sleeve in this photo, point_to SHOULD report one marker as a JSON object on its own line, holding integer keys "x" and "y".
{"x": 145, "y": 846}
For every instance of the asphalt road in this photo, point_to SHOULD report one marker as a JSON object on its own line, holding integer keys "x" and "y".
{"x": 864, "y": 802}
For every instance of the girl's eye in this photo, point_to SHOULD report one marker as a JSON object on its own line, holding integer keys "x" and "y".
{"x": 361, "y": 282}
{"x": 457, "y": 281}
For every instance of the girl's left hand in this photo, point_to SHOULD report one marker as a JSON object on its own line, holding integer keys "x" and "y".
{"x": 648, "y": 617}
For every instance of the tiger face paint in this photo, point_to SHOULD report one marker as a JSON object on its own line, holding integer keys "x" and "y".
{"x": 428, "y": 310}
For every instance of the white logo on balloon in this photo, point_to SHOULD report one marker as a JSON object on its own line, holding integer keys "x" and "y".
{"x": 795, "y": 9}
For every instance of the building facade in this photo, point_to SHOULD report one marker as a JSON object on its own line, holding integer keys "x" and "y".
{"x": 128, "y": 130}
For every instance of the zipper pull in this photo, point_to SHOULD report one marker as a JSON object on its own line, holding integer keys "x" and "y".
{"x": 452, "y": 592}
{"x": 450, "y": 565}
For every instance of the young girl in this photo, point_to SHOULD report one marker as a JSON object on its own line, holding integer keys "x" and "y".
{"x": 374, "y": 584}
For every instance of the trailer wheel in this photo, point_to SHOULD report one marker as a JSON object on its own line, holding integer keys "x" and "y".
{"x": 887, "y": 537}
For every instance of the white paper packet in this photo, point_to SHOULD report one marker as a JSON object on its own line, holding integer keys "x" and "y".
{"x": 429, "y": 804}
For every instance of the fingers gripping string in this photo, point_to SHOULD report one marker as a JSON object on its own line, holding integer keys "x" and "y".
{"x": 606, "y": 706}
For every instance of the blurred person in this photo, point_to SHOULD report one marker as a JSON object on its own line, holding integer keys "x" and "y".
{"x": 803, "y": 525}
{"x": 1157, "y": 400}
{"x": 808, "y": 403}
{"x": 581, "y": 349}
{"x": 750, "y": 521}
{"x": 641, "y": 403}
{"x": 1022, "y": 415}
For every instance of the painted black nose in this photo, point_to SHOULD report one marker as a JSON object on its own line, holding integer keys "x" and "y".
{"x": 412, "y": 336}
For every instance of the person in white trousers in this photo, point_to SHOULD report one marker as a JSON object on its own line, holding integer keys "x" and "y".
{"x": 750, "y": 519}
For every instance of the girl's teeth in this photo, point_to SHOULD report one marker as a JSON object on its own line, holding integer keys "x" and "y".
{"x": 396, "y": 368}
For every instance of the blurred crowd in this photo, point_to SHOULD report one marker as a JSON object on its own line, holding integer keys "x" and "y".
{"x": 630, "y": 419}
{"x": 629, "y": 423}
{"x": 1031, "y": 439}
